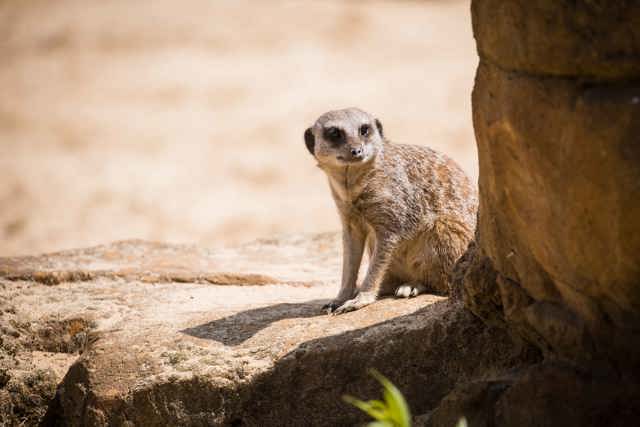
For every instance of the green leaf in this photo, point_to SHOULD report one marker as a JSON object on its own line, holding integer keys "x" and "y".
{"x": 380, "y": 424}
{"x": 398, "y": 408}
{"x": 393, "y": 412}
{"x": 374, "y": 408}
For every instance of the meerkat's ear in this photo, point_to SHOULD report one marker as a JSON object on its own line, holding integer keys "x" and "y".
{"x": 379, "y": 126}
{"x": 309, "y": 140}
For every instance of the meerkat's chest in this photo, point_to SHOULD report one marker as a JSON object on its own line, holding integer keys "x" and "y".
{"x": 367, "y": 209}
{"x": 363, "y": 200}
{"x": 345, "y": 191}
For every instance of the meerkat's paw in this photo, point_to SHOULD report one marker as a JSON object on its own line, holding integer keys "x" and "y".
{"x": 363, "y": 299}
{"x": 332, "y": 306}
{"x": 338, "y": 301}
{"x": 409, "y": 290}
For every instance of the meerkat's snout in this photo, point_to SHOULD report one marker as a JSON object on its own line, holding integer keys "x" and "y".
{"x": 353, "y": 153}
{"x": 357, "y": 152}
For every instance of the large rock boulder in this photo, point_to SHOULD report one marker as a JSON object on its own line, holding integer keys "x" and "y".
{"x": 556, "y": 110}
{"x": 556, "y": 261}
{"x": 140, "y": 333}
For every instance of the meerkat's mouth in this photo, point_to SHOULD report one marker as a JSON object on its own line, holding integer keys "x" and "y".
{"x": 350, "y": 160}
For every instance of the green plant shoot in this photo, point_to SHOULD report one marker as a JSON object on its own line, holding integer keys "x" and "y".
{"x": 393, "y": 412}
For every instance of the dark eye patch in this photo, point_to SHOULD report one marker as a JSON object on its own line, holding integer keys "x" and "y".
{"x": 334, "y": 135}
{"x": 365, "y": 130}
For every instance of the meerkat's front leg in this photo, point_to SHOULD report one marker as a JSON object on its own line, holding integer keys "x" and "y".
{"x": 353, "y": 241}
{"x": 385, "y": 247}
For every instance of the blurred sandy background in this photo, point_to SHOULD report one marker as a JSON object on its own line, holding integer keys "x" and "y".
{"x": 182, "y": 121}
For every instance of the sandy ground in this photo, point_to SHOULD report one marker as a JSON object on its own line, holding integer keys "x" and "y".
{"x": 183, "y": 121}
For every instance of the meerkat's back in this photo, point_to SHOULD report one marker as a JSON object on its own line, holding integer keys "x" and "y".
{"x": 447, "y": 188}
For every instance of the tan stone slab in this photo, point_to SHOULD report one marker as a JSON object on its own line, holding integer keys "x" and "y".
{"x": 259, "y": 263}
{"x": 183, "y": 353}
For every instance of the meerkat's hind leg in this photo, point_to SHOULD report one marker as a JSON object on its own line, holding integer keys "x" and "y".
{"x": 409, "y": 290}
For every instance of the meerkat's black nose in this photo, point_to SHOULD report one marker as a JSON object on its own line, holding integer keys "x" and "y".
{"x": 356, "y": 152}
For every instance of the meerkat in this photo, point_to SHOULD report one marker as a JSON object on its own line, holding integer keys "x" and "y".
{"x": 411, "y": 207}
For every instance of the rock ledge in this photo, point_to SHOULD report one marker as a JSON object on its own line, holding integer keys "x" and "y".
{"x": 140, "y": 333}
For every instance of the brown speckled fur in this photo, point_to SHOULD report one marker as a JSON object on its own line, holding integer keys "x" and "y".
{"x": 412, "y": 207}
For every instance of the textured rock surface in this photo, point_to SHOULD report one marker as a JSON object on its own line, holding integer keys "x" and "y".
{"x": 556, "y": 110}
{"x": 153, "y": 334}
{"x": 593, "y": 39}
{"x": 560, "y": 174}
{"x": 547, "y": 394}
{"x": 560, "y": 218}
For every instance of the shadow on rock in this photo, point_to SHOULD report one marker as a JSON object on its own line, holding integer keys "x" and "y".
{"x": 236, "y": 329}
{"x": 424, "y": 353}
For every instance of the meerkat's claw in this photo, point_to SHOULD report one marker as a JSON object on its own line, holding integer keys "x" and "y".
{"x": 403, "y": 291}
{"x": 362, "y": 300}
{"x": 331, "y": 307}
{"x": 345, "y": 308}
{"x": 410, "y": 290}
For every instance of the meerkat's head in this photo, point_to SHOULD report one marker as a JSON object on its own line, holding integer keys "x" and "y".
{"x": 344, "y": 137}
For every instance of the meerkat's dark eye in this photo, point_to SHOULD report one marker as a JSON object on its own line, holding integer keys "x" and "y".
{"x": 365, "y": 130}
{"x": 333, "y": 134}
